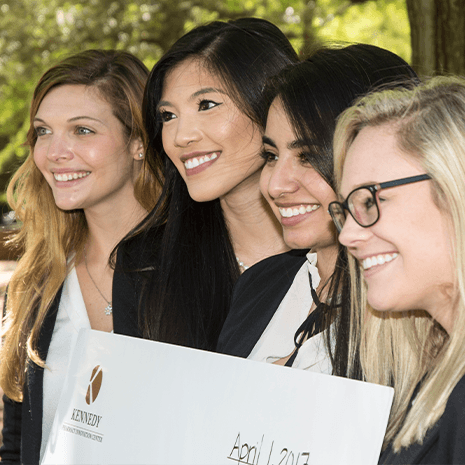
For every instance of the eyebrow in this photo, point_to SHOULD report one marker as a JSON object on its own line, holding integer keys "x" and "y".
{"x": 366, "y": 184}
{"x": 205, "y": 90}
{"x": 266, "y": 140}
{"x": 75, "y": 118}
{"x": 357, "y": 186}
{"x": 295, "y": 144}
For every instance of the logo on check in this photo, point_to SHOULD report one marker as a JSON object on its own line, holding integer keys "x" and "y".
{"x": 94, "y": 385}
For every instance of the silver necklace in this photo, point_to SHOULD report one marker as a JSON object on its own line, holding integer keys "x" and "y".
{"x": 108, "y": 309}
{"x": 241, "y": 264}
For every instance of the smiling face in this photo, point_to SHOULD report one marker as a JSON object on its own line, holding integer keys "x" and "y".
{"x": 214, "y": 146}
{"x": 82, "y": 152}
{"x": 407, "y": 254}
{"x": 296, "y": 192}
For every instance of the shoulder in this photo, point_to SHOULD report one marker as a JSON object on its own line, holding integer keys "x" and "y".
{"x": 276, "y": 267}
{"x": 444, "y": 443}
{"x": 288, "y": 259}
{"x": 452, "y": 421}
{"x": 257, "y": 294}
{"x": 457, "y": 396}
{"x": 268, "y": 278}
{"x": 447, "y": 436}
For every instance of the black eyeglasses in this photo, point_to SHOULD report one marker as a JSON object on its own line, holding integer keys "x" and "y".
{"x": 362, "y": 203}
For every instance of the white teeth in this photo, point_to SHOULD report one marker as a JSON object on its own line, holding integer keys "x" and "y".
{"x": 70, "y": 176}
{"x": 194, "y": 162}
{"x": 288, "y": 212}
{"x": 370, "y": 262}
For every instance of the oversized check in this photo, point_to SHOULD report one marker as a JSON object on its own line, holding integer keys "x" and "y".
{"x": 131, "y": 401}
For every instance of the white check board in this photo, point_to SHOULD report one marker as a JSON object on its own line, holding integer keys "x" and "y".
{"x": 155, "y": 403}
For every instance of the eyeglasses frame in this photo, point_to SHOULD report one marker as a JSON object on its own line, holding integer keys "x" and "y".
{"x": 374, "y": 188}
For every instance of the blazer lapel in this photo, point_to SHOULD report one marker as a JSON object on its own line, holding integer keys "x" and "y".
{"x": 33, "y": 392}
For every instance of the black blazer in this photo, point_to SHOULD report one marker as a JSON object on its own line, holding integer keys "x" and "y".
{"x": 444, "y": 443}
{"x": 256, "y": 297}
{"x": 22, "y": 422}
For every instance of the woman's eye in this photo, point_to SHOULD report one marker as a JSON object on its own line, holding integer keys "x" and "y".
{"x": 41, "y": 131}
{"x": 82, "y": 131}
{"x": 369, "y": 202}
{"x": 207, "y": 105}
{"x": 166, "y": 116}
{"x": 305, "y": 158}
{"x": 268, "y": 156}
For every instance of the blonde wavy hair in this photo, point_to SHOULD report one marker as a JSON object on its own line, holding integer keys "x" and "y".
{"x": 407, "y": 348}
{"x": 48, "y": 236}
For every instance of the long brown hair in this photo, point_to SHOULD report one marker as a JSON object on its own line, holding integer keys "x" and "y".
{"x": 49, "y": 235}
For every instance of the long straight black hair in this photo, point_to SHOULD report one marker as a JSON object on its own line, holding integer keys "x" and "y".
{"x": 186, "y": 295}
{"x": 313, "y": 94}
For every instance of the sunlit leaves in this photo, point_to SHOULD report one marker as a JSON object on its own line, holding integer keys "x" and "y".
{"x": 34, "y": 34}
{"x": 383, "y": 23}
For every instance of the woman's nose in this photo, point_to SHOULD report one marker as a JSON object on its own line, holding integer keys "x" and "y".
{"x": 59, "y": 148}
{"x": 282, "y": 179}
{"x": 186, "y": 132}
{"x": 352, "y": 233}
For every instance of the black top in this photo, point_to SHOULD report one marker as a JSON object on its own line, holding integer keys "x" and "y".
{"x": 444, "y": 443}
{"x": 22, "y": 422}
{"x": 256, "y": 297}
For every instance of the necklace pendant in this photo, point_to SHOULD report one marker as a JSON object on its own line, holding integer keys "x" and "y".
{"x": 108, "y": 309}
{"x": 241, "y": 264}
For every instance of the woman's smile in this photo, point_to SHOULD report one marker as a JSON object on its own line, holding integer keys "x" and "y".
{"x": 205, "y": 132}
{"x": 196, "y": 163}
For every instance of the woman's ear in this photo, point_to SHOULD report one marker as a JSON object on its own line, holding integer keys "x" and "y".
{"x": 137, "y": 149}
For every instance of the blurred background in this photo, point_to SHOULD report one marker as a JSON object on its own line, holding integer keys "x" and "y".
{"x": 35, "y": 34}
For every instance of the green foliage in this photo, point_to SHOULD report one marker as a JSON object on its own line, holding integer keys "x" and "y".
{"x": 34, "y": 34}
{"x": 383, "y": 23}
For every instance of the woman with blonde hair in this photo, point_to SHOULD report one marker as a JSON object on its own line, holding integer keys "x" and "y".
{"x": 400, "y": 166}
{"x": 82, "y": 188}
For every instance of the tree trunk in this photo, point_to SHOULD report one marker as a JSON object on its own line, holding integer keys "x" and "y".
{"x": 438, "y": 36}
{"x": 308, "y": 33}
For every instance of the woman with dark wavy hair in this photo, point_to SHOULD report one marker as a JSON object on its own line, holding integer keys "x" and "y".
{"x": 294, "y": 309}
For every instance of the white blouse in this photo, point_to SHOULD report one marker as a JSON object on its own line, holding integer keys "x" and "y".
{"x": 277, "y": 341}
{"x": 71, "y": 317}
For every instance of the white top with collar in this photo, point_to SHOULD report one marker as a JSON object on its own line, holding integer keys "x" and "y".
{"x": 71, "y": 317}
{"x": 277, "y": 341}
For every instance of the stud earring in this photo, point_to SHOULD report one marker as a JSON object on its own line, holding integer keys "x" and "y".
{"x": 141, "y": 155}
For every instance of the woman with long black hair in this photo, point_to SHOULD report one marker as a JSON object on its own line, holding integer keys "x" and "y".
{"x": 294, "y": 309}
{"x": 203, "y": 110}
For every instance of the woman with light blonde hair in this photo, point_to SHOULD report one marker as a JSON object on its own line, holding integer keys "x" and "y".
{"x": 82, "y": 188}
{"x": 400, "y": 167}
